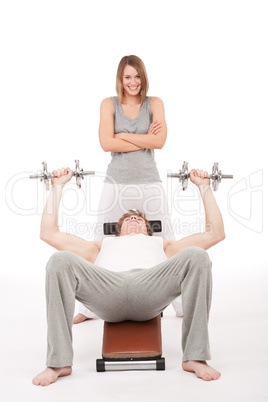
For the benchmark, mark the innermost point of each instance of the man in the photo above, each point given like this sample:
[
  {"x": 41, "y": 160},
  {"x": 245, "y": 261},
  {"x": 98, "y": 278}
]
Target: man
[{"x": 140, "y": 290}]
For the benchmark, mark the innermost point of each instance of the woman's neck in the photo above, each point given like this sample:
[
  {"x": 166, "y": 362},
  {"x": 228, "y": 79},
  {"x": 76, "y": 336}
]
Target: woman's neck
[{"x": 131, "y": 100}]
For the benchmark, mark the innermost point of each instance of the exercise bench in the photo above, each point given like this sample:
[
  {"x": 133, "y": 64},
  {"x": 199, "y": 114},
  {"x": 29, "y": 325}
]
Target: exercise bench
[{"x": 131, "y": 345}]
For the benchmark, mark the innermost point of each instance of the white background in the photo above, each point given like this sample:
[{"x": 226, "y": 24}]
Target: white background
[{"x": 208, "y": 62}]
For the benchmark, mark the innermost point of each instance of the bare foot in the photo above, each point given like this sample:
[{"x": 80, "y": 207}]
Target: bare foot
[
  {"x": 201, "y": 369},
  {"x": 50, "y": 375},
  {"x": 80, "y": 318}
]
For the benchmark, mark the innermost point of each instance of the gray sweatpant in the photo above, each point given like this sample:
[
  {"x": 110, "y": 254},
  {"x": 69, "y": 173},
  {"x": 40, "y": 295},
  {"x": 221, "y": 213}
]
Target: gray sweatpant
[{"x": 138, "y": 295}]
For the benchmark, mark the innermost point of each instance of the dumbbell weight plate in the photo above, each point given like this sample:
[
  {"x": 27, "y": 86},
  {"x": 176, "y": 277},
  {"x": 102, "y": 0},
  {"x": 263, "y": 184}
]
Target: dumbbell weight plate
[
  {"x": 184, "y": 175},
  {"x": 216, "y": 176},
  {"x": 78, "y": 181}
]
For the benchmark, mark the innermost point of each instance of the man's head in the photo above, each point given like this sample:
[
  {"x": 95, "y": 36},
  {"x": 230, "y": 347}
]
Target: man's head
[{"x": 133, "y": 222}]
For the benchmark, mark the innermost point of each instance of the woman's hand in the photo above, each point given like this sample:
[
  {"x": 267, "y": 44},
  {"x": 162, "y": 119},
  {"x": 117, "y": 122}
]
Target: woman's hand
[
  {"x": 119, "y": 136},
  {"x": 62, "y": 176},
  {"x": 198, "y": 177},
  {"x": 154, "y": 128}
]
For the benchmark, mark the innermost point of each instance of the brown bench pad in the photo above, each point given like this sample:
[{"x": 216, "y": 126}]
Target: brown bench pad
[{"x": 132, "y": 339}]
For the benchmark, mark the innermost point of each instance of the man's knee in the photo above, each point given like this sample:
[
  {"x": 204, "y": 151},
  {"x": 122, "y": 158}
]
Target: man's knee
[
  {"x": 58, "y": 260},
  {"x": 198, "y": 257}
]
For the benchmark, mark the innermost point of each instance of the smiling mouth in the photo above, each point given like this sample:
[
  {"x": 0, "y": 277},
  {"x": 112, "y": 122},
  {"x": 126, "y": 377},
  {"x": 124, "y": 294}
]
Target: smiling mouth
[{"x": 133, "y": 88}]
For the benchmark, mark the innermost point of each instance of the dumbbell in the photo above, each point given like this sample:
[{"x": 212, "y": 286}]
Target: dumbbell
[
  {"x": 45, "y": 176},
  {"x": 216, "y": 176}
]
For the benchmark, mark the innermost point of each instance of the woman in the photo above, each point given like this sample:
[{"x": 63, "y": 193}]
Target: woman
[
  {"x": 132, "y": 125},
  {"x": 132, "y": 179}
]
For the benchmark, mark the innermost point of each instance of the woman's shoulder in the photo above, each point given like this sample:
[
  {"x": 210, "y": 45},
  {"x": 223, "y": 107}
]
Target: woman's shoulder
[
  {"x": 155, "y": 100},
  {"x": 108, "y": 103}
]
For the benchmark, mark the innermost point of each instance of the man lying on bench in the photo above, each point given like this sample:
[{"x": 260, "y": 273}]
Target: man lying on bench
[{"x": 153, "y": 273}]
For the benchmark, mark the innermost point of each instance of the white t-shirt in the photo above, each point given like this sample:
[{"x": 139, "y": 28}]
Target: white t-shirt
[{"x": 129, "y": 252}]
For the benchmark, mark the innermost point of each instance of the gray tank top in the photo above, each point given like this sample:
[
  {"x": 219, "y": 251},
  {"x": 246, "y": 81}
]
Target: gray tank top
[{"x": 138, "y": 166}]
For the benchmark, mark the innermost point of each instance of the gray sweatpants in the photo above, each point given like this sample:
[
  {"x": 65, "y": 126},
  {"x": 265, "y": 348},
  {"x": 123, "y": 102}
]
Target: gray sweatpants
[{"x": 138, "y": 295}]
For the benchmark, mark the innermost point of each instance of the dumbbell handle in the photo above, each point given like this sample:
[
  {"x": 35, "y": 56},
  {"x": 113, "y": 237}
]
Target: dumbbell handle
[
  {"x": 175, "y": 175},
  {"x": 223, "y": 176},
  {"x": 209, "y": 176},
  {"x": 51, "y": 175},
  {"x": 81, "y": 174}
]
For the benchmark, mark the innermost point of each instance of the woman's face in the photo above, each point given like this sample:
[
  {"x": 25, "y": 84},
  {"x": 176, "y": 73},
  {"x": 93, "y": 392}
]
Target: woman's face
[{"x": 131, "y": 81}]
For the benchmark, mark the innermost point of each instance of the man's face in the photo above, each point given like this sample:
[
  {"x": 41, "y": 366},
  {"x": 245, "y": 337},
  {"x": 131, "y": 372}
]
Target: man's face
[{"x": 133, "y": 225}]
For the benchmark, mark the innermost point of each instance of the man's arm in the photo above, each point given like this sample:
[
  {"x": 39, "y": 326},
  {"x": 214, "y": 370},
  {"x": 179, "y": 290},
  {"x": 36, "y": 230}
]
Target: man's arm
[
  {"x": 214, "y": 232},
  {"x": 49, "y": 231}
]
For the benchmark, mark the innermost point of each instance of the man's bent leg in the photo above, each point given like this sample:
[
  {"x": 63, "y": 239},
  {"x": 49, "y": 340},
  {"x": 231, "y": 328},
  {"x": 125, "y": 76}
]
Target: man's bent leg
[
  {"x": 187, "y": 273},
  {"x": 70, "y": 277},
  {"x": 60, "y": 297},
  {"x": 196, "y": 291}
]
